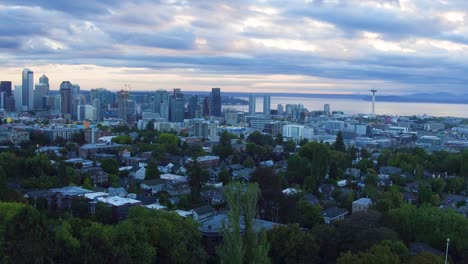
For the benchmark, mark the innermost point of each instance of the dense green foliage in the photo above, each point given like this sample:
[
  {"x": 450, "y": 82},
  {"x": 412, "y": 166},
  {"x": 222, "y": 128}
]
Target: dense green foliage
[{"x": 145, "y": 237}]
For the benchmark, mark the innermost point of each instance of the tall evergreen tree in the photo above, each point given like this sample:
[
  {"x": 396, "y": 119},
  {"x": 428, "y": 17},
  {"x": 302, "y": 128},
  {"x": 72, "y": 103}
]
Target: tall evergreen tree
[
  {"x": 242, "y": 247},
  {"x": 339, "y": 143}
]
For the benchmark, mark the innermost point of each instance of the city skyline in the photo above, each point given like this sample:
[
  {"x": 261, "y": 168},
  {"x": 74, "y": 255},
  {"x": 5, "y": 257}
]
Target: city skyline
[{"x": 256, "y": 46}]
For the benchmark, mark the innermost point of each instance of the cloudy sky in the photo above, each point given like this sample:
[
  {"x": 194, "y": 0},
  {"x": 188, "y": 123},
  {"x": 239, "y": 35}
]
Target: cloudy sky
[{"x": 305, "y": 46}]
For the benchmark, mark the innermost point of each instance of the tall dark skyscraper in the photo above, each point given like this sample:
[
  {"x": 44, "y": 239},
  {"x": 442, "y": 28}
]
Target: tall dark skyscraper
[
  {"x": 177, "y": 106},
  {"x": 5, "y": 87},
  {"x": 193, "y": 106},
  {"x": 66, "y": 99},
  {"x": 215, "y": 101},
  {"x": 7, "y": 100},
  {"x": 27, "y": 92},
  {"x": 206, "y": 106}
]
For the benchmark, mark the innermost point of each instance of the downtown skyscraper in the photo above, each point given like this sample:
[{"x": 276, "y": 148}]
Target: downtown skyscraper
[
  {"x": 177, "y": 106},
  {"x": 27, "y": 92},
  {"x": 215, "y": 101},
  {"x": 66, "y": 98},
  {"x": 160, "y": 104},
  {"x": 41, "y": 92},
  {"x": 7, "y": 100},
  {"x": 266, "y": 105},
  {"x": 252, "y": 105}
]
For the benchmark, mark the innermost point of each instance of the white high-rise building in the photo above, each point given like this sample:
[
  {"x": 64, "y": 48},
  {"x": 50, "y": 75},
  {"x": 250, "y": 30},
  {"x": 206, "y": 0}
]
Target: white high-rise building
[
  {"x": 326, "y": 109},
  {"x": 297, "y": 132},
  {"x": 27, "y": 94},
  {"x": 86, "y": 112}
]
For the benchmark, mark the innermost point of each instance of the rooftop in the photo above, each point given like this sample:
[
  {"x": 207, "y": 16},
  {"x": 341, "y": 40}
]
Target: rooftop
[
  {"x": 363, "y": 201},
  {"x": 117, "y": 200},
  {"x": 71, "y": 191},
  {"x": 333, "y": 212},
  {"x": 93, "y": 195}
]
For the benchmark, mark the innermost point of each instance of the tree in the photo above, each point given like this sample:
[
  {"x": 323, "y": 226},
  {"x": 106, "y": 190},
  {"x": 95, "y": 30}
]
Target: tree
[
  {"x": 242, "y": 247},
  {"x": 152, "y": 171},
  {"x": 425, "y": 258},
  {"x": 339, "y": 144},
  {"x": 290, "y": 146},
  {"x": 224, "y": 148},
  {"x": 110, "y": 166},
  {"x": 78, "y": 137},
  {"x": 424, "y": 194},
  {"x": 279, "y": 139},
  {"x": 309, "y": 215},
  {"x": 27, "y": 237},
  {"x": 65, "y": 246},
  {"x": 319, "y": 158},
  {"x": 378, "y": 254},
  {"x": 298, "y": 169},
  {"x": 197, "y": 178},
  {"x": 248, "y": 162},
  {"x": 224, "y": 176},
  {"x": 289, "y": 244},
  {"x": 429, "y": 224},
  {"x": 271, "y": 192},
  {"x": 150, "y": 125},
  {"x": 123, "y": 139}
]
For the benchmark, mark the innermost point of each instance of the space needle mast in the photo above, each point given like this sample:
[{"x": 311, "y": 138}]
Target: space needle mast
[{"x": 373, "y": 101}]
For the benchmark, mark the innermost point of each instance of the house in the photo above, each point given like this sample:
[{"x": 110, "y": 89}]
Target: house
[
  {"x": 153, "y": 186},
  {"x": 352, "y": 172},
  {"x": 119, "y": 205},
  {"x": 213, "y": 196},
  {"x": 453, "y": 201},
  {"x": 178, "y": 188},
  {"x": 312, "y": 199},
  {"x": 410, "y": 197},
  {"x": 202, "y": 212},
  {"x": 117, "y": 191},
  {"x": 390, "y": 170},
  {"x": 184, "y": 214},
  {"x": 140, "y": 174},
  {"x": 333, "y": 214},
  {"x": 412, "y": 187},
  {"x": 242, "y": 174},
  {"x": 156, "y": 206},
  {"x": 361, "y": 205},
  {"x": 61, "y": 198},
  {"x": 210, "y": 228},
  {"x": 267, "y": 163},
  {"x": 326, "y": 190},
  {"x": 463, "y": 210},
  {"x": 99, "y": 177},
  {"x": 418, "y": 248},
  {"x": 87, "y": 150},
  {"x": 291, "y": 191},
  {"x": 342, "y": 183}
]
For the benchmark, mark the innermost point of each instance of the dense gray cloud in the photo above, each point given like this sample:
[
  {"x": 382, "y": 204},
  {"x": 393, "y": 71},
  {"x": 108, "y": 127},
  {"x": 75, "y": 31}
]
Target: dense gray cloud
[{"x": 406, "y": 44}]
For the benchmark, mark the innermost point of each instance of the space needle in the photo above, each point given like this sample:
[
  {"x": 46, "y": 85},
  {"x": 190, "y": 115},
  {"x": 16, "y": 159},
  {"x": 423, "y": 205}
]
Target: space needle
[{"x": 373, "y": 101}]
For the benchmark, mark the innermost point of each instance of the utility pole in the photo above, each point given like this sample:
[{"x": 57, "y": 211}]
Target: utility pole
[{"x": 446, "y": 250}]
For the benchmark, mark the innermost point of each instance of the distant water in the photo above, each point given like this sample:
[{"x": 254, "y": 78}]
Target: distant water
[{"x": 351, "y": 106}]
